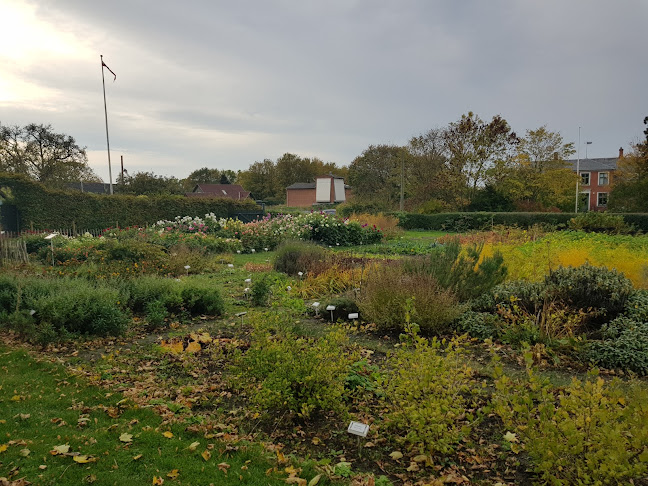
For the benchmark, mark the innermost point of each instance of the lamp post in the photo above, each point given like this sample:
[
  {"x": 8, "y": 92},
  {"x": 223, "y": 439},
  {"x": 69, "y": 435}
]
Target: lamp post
[{"x": 577, "y": 169}]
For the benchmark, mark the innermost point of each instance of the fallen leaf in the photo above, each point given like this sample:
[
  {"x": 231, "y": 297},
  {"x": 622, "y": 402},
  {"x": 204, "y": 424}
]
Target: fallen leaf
[
  {"x": 223, "y": 466},
  {"x": 296, "y": 480},
  {"x": 24, "y": 416},
  {"x": 3, "y": 447},
  {"x": 315, "y": 480},
  {"x": 168, "y": 434},
  {"x": 157, "y": 480},
  {"x": 42, "y": 467},
  {"x": 281, "y": 459},
  {"x": 396, "y": 455},
  {"x": 25, "y": 452},
  {"x": 193, "y": 347},
  {"x": 60, "y": 449},
  {"x": 420, "y": 458},
  {"x": 193, "y": 446},
  {"x": 126, "y": 437},
  {"x": 206, "y": 455},
  {"x": 173, "y": 474},
  {"x": 137, "y": 457},
  {"x": 413, "y": 467},
  {"x": 511, "y": 437},
  {"x": 83, "y": 459}
]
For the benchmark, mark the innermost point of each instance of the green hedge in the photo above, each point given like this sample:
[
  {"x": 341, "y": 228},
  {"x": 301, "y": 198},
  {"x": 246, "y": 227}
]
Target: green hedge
[
  {"x": 479, "y": 221},
  {"x": 42, "y": 208}
]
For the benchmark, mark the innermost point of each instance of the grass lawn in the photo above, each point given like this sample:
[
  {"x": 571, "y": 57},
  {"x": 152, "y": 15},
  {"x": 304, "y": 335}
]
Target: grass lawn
[{"x": 57, "y": 429}]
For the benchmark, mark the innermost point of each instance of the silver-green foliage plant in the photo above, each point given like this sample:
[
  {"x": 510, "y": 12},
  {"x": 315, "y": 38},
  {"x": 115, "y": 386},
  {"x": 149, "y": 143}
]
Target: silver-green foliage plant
[{"x": 592, "y": 432}]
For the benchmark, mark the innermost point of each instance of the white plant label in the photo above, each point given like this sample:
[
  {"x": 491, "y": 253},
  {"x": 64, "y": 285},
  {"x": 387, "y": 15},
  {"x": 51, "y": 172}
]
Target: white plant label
[{"x": 358, "y": 428}]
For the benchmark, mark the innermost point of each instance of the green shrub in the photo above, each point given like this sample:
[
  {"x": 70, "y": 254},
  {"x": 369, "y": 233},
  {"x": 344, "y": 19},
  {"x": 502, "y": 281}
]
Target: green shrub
[
  {"x": 481, "y": 325},
  {"x": 200, "y": 296},
  {"x": 431, "y": 394},
  {"x": 384, "y": 296},
  {"x": 600, "y": 222},
  {"x": 81, "y": 308},
  {"x": 480, "y": 221},
  {"x": 598, "y": 290},
  {"x": 624, "y": 346},
  {"x": 300, "y": 256},
  {"x": 461, "y": 272},
  {"x": 156, "y": 312},
  {"x": 8, "y": 293},
  {"x": 636, "y": 307},
  {"x": 282, "y": 372},
  {"x": 592, "y": 432},
  {"x": 139, "y": 292},
  {"x": 344, "y": 305},
  {"x": 260, "y": 290}
]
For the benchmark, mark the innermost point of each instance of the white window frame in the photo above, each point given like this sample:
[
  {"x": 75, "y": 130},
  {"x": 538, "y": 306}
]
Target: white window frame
[
  {"x": 589, "y": 178},
  {"x": 607, "y": 175},
  {"x": 598, "y": 199}
]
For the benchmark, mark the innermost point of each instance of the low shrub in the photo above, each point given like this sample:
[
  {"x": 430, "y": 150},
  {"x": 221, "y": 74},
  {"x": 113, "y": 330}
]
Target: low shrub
[
  {"x": 344, "y": 305},
  {"x": 284, "y": 373},
  {"x": 79, "y": 307},
  {"x": 600, "y": 222},
  {"x": 260, "y": 290},
  {"x": 201, "y": 296},
  {"x": 139, "y": 292},
  {"x": 431, "y": 394},
  {"x": 624, "y": 346},
  {"x": 296, "y": 256},
  {"x": 601, "y": 292},
  {"x": 385, "y": 294},
  {"x": 467, "y": 272},
  {"x": 591, "y": 432},
  {"x": 156, "y": 313},
  {"x": 481, "y": 325}
]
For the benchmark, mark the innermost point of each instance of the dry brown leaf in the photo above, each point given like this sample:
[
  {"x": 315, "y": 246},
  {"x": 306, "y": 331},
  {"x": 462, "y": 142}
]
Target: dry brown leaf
[
  {"x": 168, "y": 434},
  {"x": 206, "y": 455},
  {"x": 193, "y": 347},
  {"x": 193, "y": 446},
  {"x": 223, "y": 466},
  {"x": 173, "y": 474},
  {"x": 158, "y": 481}
]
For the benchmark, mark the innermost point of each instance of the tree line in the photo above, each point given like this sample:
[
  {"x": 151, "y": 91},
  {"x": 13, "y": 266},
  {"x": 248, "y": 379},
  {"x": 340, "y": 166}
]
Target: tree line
[{"x": 470, "y": 164}]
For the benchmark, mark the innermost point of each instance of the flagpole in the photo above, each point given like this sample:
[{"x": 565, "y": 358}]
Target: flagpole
[{"x": 103, "y": 82}]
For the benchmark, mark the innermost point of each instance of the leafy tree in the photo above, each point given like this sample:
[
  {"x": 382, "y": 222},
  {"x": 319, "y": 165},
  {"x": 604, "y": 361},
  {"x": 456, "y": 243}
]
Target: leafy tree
[
  {"x": 630, "y": 183},
  {"x": 259, "y": 179},
  {"x": 147, "y": 183},
  {"x": 43, "y": 155},
  {"x": 268, "y": 180},
  {"x": 204, "y": 175},
  {"x": 538, "y": 178},
  {"x": 376, "y": 174},
  {"x": 474, "y": 147}
]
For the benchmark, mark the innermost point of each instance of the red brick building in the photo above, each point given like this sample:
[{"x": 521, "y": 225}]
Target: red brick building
[
  {"x": 595, "y": 178},
  {"x": 327, "y": 189}
]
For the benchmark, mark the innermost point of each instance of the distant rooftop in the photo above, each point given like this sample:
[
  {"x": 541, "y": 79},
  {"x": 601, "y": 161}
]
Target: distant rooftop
[{"x": 609, "y": 163}]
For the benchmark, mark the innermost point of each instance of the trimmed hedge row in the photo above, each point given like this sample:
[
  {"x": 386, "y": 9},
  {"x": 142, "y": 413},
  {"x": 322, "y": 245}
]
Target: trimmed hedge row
[
  {"x": 46, "y": 209},
  {"x": 480, "y": 221}
]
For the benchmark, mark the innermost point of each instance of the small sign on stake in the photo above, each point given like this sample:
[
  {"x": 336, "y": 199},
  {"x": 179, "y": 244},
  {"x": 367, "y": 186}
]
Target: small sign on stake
[{"x": 358, "y": 428}]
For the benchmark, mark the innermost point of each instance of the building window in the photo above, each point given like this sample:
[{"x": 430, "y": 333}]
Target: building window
[
  {"x": 602, "y": 199},
  {"x": 585, "y": 178},
  {"x": 604, "y": 179}
]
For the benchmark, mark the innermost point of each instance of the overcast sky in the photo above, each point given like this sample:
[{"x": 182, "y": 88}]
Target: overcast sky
[{"x": 223, "y": 84}]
